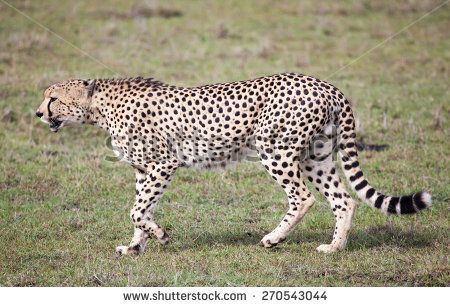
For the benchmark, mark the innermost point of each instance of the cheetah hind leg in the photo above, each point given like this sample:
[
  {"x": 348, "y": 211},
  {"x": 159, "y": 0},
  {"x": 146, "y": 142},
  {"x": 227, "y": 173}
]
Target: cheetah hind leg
[
  {"x": 323, "y": 175},
  {"x": 300, "y": 199}
]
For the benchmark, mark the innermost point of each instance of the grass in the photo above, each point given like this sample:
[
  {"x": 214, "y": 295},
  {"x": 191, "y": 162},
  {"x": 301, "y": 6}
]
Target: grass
[{"x": 64, "y": 207}]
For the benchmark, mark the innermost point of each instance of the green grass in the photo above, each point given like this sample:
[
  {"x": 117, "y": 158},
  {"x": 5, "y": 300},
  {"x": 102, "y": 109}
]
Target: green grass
[{"x": 64, "y": 207}]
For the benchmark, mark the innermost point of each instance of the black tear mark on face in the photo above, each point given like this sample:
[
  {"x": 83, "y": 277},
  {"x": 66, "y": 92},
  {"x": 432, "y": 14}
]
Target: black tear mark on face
[{"x": 48, "y": 106}]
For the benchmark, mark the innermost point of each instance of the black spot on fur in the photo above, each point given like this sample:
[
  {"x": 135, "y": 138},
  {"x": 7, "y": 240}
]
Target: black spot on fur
[
  {"x": 406, "y": 205},
  {"x": 370, "y": 193},
  {"x": 392, "y": 204},
  {"x": 379, "y": 201},
  {"x": 361, "y": 185},
  {"x": 356, "y": 176}
]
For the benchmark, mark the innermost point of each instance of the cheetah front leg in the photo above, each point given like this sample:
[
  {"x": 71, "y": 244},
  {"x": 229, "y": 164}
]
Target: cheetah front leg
[{"x": 150, "y": 186}]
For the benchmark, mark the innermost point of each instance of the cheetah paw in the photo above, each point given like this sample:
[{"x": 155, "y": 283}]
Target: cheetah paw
[
  {"x": 128, "y": 250},
  {"x": 327, "y": 248},
  {"x": 122, "y": 250},
  {"x": 271, "y": 240},
  {"x": 164, "y": 240}
]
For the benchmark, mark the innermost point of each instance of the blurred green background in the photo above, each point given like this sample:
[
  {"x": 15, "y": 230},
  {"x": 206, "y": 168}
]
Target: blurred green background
[{"x": 64, "y": 207}]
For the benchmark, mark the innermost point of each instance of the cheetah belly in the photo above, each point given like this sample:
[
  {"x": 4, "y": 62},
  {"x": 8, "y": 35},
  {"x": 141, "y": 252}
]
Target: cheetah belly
[{"x": 209, "y": 153}]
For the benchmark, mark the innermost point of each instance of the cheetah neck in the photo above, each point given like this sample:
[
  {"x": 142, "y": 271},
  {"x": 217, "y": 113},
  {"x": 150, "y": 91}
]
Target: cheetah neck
[
  {"x": 100, "y": 108},
  {"x": 110, "y": 95}
]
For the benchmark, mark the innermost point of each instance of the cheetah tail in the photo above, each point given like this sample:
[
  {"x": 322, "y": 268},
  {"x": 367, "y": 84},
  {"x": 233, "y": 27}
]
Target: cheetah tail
[{"x": 408, "y": 204}]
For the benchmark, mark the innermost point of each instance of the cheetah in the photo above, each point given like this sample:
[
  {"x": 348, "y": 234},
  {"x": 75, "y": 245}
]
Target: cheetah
[{"x": 295, "y": 124}]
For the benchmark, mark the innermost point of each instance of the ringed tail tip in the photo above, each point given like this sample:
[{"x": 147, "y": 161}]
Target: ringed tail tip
[
  {"x": 426, "y": 199},
  {"x": 411, "y": 204}
]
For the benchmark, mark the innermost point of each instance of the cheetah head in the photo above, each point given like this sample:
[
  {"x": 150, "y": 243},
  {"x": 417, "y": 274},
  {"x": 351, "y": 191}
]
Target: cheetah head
[{"x": 66, "y": 103}]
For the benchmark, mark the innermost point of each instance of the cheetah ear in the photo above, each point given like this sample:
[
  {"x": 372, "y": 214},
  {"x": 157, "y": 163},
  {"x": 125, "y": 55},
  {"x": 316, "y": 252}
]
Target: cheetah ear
[{"x": 90, "y": 86}]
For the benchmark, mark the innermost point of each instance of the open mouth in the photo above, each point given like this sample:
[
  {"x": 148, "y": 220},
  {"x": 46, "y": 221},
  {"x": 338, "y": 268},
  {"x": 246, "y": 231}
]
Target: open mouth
[{"x": 55, "y": 125}]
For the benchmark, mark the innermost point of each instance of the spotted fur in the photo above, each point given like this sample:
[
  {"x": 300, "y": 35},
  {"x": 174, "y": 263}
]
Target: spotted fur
[{"x": 293, "y": 123}]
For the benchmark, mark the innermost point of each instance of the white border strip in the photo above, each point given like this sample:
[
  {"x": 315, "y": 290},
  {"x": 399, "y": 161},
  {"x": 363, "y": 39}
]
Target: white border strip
[{"x": 111, "y": 297}]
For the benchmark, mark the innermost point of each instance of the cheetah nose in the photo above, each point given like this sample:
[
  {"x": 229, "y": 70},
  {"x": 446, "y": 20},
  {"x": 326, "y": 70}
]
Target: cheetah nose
[{"x": 39, "y": 114}]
